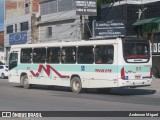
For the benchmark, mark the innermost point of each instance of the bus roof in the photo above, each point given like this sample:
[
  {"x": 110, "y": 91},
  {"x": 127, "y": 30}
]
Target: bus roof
[{"x": 76, "y": 43}]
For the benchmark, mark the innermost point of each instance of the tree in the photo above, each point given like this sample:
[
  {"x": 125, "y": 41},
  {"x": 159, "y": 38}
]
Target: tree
[{"x": 99, "y": 2}]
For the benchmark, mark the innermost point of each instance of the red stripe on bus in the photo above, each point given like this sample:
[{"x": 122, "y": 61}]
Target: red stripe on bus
[{"x": 47, "y": 70}]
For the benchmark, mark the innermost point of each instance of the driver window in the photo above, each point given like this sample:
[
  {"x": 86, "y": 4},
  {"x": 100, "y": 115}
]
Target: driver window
[{"x": 13, "y": 60}]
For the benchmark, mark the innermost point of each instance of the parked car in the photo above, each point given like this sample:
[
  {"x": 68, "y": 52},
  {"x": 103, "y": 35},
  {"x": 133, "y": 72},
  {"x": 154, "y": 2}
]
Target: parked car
[{"x": 3, "y": 71}]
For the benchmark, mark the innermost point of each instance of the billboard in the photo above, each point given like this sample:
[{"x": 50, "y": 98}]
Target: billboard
[
  {"x": 18, "y": 38},
  {"x": 86, "y": 7},
  {"x": 109, "y": 29}
]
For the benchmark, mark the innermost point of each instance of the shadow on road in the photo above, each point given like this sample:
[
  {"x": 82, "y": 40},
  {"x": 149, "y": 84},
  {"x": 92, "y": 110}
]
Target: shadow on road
[
  {"x": 131, "y": 91},
  {"x": 114, "y": 91}
]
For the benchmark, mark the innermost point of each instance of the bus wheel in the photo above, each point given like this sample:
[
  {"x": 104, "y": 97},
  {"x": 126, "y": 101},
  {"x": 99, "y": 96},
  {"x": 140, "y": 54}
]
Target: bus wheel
[
  {"x": 2, "y": 76},
  {"x": 76, "y": 85},
  {"x": 25, "y": 82}
]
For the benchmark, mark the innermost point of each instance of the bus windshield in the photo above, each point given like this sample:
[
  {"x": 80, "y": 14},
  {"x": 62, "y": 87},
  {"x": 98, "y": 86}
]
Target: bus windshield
[{"x": 136, "y": 52}]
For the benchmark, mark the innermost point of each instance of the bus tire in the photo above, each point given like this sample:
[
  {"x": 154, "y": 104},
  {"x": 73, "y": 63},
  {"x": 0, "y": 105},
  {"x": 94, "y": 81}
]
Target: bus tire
[
  {"x": 2, "y": 76},
  {"x": 25, "y": 82},
  {"x": 155, "y": 72},
  {"x": 76, "y": 85}
]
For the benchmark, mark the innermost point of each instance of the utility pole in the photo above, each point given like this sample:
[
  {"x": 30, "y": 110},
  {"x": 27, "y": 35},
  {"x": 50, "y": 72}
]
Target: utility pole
[{"x": 81, "y": 27}]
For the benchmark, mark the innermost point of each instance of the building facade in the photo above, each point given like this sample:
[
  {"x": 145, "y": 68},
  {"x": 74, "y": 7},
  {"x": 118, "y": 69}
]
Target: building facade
[
  {"x": 2, "y": 46},
  {"x": 58, "y": 21},
  {"x": 41, "y": 21},
  {"x": 142, "y": 18},
  {"x": 130, "y": 11},
  {"x": 20, "y": 23},
  {"x": 2, "y": 31}
]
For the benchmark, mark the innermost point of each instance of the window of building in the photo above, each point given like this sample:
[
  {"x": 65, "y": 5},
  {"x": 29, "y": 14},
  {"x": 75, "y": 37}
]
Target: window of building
[
  {"x": 85, "y": 54},
  {"x": 54, "y": 6},
  {"x": 53, "y": 55},
  {"x": 39, "y": 55},
  {"x": 26, "y": 8},
  {"x": 49, "y": 31},
  {"x": 26, "y": 55},
  {"x": 68, "y": 55},
  {"x": 9, "y": 29},
  {"x": 104, "y": 54},
  {"x": 24, "y": 26}
]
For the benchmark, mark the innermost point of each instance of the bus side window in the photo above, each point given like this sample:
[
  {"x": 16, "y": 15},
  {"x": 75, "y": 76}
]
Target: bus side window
[
  {"x": 53, "y": 55},
  {"x": 110, "y": 54},
  {"x": 85, "y": 54},
  {"x": 39, "y": 55},
  {"x": 68, "y": 55},
  {"x": 26, "y": 55},
  {"x": 104, "y": 54}
]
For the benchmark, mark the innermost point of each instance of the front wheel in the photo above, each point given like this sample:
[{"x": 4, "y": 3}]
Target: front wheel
[
  {"x": 25, "y": 82},
  {"x": 76, "y": 85}
]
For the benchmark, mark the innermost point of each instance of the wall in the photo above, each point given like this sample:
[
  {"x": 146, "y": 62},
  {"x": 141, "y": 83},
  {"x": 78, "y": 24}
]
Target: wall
[
  {"x": 1, "y": 46},
  {"x": 16, "y": 8},
  {"x": 18, "y": 21},
  {"x": 1, "y": 38},
  {"x": 19, "y": 8},
  {"x": 17, "y": 12},
  {"x": 65, "y": 27},
  {"x": 1, "y": 15},
  {"x": 61, "y": 16}
]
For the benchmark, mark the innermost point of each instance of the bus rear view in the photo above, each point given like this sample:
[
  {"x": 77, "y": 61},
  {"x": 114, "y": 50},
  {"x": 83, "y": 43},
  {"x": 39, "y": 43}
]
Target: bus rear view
[{"x": 136, "y": 64}]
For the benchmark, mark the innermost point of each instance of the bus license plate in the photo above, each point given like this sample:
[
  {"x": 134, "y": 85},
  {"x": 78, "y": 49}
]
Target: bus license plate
[{"x": 138, "y": 76}]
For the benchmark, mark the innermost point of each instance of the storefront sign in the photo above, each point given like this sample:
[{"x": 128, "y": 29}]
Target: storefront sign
[
  {"x": 108, "y": 29},
  {"x": 86, "y": 7}
]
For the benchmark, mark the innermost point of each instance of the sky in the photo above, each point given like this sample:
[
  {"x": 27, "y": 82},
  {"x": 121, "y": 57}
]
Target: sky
[{"x": 1, "y": 14}]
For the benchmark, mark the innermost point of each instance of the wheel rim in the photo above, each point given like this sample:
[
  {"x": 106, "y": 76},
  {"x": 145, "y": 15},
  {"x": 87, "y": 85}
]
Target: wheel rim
[
  {"x": 25, "y": 81},
  {"x": 2, "y": 75},
  {"x": 76, "y": 85}
]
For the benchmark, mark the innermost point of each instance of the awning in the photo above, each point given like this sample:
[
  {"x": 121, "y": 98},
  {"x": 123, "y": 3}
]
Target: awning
[{"x": 147, "y": 21}]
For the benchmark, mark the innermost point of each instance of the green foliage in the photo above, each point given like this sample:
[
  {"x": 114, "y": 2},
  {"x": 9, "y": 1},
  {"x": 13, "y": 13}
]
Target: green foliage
[{"x": 99, "y": 2}]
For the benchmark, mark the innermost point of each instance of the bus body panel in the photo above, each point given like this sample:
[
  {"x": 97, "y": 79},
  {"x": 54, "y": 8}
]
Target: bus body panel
[{"x": 91, "y": 75}]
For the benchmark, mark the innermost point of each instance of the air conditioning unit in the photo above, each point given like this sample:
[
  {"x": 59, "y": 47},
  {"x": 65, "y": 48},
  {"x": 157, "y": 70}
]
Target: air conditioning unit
[{"x": 38, "y": 16}]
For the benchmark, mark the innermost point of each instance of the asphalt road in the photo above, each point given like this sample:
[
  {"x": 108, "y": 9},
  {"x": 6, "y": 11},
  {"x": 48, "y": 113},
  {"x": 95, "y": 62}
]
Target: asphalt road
[{"x": 40, "y": 98}]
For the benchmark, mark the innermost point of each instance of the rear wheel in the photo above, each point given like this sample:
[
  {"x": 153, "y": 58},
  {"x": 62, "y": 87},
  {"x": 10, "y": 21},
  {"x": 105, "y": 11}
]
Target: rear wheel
[
  {"x": 2, "y": 76},
  {"x": 25, "y": 82},
  {"x": 76, "y": 85}
]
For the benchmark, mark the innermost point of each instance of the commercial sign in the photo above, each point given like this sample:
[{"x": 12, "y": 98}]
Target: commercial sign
[
  {"x": 18, "y": 38},
  {"x": 86, "y": 7},
  {"x": 108, "y": 29}
]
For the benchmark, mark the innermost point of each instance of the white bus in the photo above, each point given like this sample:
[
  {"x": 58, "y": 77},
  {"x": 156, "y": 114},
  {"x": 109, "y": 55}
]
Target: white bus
[{"x": 102, "y": 64}]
